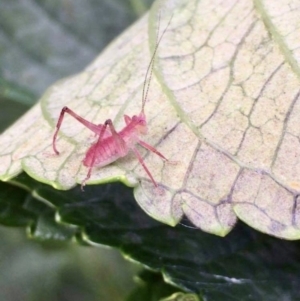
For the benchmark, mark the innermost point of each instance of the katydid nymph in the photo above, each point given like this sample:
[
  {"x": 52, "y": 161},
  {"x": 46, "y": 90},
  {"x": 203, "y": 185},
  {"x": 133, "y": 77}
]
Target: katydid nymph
[{"x": 110, "y": 144}]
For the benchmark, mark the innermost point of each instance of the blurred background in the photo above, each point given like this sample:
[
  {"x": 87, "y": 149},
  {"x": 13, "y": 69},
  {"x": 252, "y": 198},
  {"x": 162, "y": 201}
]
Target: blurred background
[
  {"x": 42, "y": 41},
  {"x": 36, "y": 271}
]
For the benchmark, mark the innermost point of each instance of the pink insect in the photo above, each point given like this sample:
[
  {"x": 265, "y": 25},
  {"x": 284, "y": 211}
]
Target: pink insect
[{"x": 112, "y": 145}]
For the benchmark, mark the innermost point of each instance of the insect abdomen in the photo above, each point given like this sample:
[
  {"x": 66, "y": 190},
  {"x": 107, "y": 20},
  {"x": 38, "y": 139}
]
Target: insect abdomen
[{"x": 106, "y": 153}]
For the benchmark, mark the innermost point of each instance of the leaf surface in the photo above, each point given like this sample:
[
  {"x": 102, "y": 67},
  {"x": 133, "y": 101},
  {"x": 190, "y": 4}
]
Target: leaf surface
[{"x": 223, "y": 104}]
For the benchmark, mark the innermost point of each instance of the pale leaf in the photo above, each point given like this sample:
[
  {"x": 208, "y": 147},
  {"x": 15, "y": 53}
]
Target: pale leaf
[{"x": 223, "y": 105}]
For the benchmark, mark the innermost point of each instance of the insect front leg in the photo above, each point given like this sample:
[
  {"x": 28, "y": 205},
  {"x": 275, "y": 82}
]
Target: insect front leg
[
  {"x": 138, "y": 155},
  {"x": 93, "y": 127},
  {"x": 155, "y": 151},
  {"x": 152, "y": 149}
]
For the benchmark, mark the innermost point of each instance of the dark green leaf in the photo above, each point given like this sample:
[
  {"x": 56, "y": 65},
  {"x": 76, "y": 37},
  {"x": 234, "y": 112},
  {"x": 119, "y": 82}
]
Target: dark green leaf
[
  {"x": 245, "y": 265},
  {"x": 151, "y": 286},
  {"x": 12, "y": 212}
]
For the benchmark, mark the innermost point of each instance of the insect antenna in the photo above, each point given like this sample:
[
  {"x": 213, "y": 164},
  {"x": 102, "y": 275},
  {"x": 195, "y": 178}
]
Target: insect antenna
[{"x": 151, "y": 64}]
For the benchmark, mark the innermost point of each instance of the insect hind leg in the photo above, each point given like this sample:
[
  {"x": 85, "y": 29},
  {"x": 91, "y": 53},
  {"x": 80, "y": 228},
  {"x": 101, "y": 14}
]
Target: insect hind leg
[
  {"x": 93, "y": 127},
  {"x": 101, "y": 134}
]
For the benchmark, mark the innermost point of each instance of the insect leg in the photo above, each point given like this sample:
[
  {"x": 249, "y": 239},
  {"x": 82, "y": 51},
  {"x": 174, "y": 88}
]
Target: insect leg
[
  {"x": 138, "y": 155},
  {"x": 152, "y": 149},
  {"x": 93, "y": 127},
  {"x": 120, "y": 143},
  {"x": 103, "y": 129}
]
